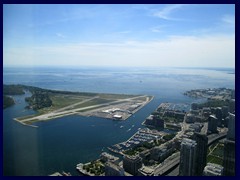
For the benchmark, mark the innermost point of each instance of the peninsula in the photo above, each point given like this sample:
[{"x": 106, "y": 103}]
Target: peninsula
[{"x": 51, "y": 104}]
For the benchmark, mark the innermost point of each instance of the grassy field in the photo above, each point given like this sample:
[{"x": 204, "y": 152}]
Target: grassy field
[
  {"x": 215, "y": 153},
  {"x": 116, "y": 96},
  {"x": 143, "y": 98},
  {"x": 94, "y": 102},
  {"x": 60, "y": 101},
  {"x": 89, "y": 109},
  {"x": 214, "y": 159}
]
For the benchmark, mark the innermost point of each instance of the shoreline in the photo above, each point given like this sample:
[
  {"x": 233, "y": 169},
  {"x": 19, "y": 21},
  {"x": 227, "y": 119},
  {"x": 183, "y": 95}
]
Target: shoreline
[
  {"x": 94, "y": 109},
  {"x": 34, "y": 126}
]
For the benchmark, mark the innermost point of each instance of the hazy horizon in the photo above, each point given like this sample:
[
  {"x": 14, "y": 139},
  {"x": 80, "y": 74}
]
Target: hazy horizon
[{"x": 111, "y": 66}]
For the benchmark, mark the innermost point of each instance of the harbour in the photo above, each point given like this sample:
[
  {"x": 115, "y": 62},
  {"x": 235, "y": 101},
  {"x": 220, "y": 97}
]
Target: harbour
[{"x": 84, "y": 137}]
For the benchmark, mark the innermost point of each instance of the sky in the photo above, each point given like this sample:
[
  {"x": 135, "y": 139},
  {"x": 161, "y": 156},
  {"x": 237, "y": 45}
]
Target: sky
[{"x": 148, "y": 35}]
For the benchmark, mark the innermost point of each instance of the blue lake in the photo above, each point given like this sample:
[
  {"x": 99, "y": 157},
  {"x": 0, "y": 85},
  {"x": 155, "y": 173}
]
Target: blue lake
[{"x": 62, "y": 143}]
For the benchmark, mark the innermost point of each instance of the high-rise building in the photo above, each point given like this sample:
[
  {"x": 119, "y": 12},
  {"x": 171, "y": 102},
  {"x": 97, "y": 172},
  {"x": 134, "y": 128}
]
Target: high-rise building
[
  {"x": 131, "y": 164},
  {"x": 206, "y": 111},
  {"x": 213, "y": 170},
  {"x": 155, "y": 120},
  {"x": 201, "y": 152},
  {"x": 112, "y": 169},
  {"x": 233, "y": 94},
  {"x": 231, "y": 127},
  {"x": 212, "y": 124},
  {"x": 159, "y": 122},
  {"x": 232, "y": 106},
  {"x": 229, "y": 158},
  {"x": 225, "y": 110},
  {"x": 187, "y": 157},
  {"x": 218, "y": 113}
]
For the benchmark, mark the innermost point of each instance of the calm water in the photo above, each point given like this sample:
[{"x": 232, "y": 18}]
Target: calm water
[{"x": 60, "y": 144}]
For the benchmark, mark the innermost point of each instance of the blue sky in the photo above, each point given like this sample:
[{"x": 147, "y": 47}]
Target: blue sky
[{"x": 119, "y": 35}]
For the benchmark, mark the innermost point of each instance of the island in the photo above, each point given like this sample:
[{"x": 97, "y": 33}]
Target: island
[
  {"x": 51, "y": 104},
  {"x": 9, "y": 90},
  {"x": 7, "y": 101}
]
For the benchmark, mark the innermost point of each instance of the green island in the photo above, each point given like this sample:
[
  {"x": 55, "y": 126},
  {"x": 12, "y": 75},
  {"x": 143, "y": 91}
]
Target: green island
[
  {"x": 51, "y": 104},
  {"x": 9, "y": 90},
  {"x": 7, "y": 101}
]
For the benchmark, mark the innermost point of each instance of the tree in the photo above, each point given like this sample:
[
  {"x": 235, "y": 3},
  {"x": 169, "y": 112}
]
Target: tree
[
  {"x": 12, "y": 90},
  {"x": 39, "y": 100},
  {"x": 7, "y": 101}
]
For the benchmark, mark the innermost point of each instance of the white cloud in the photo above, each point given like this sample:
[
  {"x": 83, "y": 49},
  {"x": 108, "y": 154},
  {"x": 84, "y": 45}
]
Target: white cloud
[
  {"x": 124, "y": 32},
  {"x": 165, "y": 13},
  {"x": 225, "y": 24},
  {"x": 182, "y": 51},
  {"x": 60, "y": 35},
  {"x": 157, "y": 29},
  {"x": 230, "y": 19}
]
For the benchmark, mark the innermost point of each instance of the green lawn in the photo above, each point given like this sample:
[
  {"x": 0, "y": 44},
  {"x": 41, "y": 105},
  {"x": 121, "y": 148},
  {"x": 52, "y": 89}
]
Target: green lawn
[
  {"x": 60, "y": 101},
  {"x": 216, "y": 156},
  {"x": 93, "y": 102},
  {"x": 116, "y": 96},
  {"x": 214, "y": 159}
]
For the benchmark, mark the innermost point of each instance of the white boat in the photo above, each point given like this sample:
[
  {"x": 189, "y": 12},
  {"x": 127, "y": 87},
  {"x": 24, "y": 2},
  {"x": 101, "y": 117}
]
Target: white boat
[{"x": 121, "y": 126}]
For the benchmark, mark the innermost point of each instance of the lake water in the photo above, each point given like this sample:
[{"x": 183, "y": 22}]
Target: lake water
[{"x": 62, "y": 143}]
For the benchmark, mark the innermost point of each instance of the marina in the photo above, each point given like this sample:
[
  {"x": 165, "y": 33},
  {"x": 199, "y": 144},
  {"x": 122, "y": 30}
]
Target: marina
[{"x": 141, "y": 136}]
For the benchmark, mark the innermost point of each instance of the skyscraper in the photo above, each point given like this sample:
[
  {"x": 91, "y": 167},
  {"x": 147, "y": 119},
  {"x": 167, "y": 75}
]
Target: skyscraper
[
  {"x": 218, "y": 113},
  {"x": 229, "y": 158},
  {"x": 131, "y": 164},
  {"x": 212, "y": 124},
  {"x": 225, "y": 110},
  {"x": 201, "y": 152},
  {"x": 232, "y": 106},
  {"x": 187, "y": 157},
  {"x": 231, "y": 127}
]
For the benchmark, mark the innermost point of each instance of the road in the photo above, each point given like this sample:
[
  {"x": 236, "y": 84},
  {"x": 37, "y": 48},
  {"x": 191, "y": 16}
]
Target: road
[
  {"x": 211, "y": 138},
  {"x": 167, "y": 166},
  {"x": 214, "y": 137}
]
